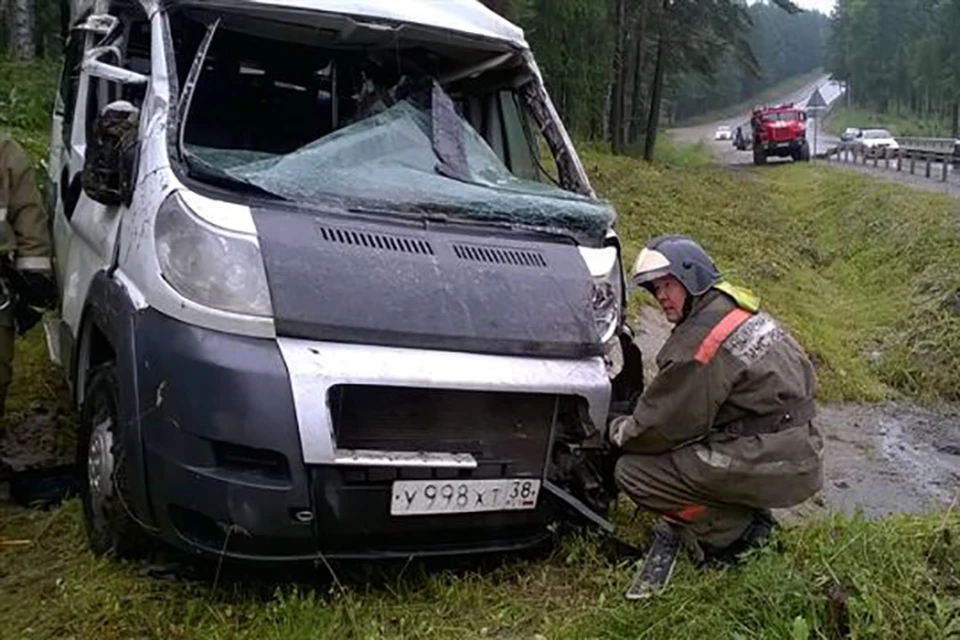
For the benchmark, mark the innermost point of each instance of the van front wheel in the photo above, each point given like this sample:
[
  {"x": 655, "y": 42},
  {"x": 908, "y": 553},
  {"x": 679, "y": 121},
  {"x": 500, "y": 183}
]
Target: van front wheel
[{"x": 101, "y": 464}]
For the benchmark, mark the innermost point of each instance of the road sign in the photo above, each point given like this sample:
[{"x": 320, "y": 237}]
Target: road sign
[
  {"x": 816, "y": 100},
  {"x": 816, "y": 105}
]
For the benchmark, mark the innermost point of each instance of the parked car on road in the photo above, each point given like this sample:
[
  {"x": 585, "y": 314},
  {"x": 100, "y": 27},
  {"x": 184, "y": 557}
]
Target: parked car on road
[
  {"x": 850, "y": 134},
  {"x": 723, "y": 133},
  {"x": 876, "y": 142}
]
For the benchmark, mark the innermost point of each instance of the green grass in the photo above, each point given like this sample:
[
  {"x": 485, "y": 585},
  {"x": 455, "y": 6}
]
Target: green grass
[
  {"x": 899, "y": 578},
  {"x": 786, "y": 87},
  {"x": 27, "y": 92},
  {"x": 667, "y": 152},
  {"x": 851, "y": 264},
  {"x": 899, "y": 124}
]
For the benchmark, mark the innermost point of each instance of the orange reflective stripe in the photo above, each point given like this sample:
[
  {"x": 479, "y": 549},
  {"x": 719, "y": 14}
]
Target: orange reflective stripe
[
  {"x": 692, "y": 512},
  {"x": 711, "y": 344},
  {"x": 686, "y": 515}
]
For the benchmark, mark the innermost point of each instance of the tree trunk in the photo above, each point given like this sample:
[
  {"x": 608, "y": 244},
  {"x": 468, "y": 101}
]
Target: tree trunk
[
  {"x": 618, "y": 91},
  {"x": 955, "y": 126},
  {"x": 636, "y": 101},
  {"x": 22, "y": 31},
  {"x": 656, "y": 95},
  {"x": 624, "y": 80}
]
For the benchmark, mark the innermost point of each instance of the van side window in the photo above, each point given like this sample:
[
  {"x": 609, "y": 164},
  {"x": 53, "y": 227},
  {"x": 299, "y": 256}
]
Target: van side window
[
  {"x": 70, "y": 80},
  {"x": 499, "y": 118},
  {"x": 134, "y": 45},
  {"x": 518, "y": 140}
]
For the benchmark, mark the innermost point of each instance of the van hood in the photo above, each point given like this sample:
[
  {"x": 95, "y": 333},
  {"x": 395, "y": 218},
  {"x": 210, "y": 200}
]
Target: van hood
[{"x": 406, "y": 285}]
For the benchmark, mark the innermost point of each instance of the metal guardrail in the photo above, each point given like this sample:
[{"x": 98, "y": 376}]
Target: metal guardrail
[
  {"x": 944, "y": 145},
  {"x": 931, "y": 164}
]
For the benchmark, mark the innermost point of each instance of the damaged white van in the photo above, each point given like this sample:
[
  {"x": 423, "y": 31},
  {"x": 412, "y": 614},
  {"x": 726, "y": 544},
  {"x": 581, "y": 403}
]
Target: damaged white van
[{"x": 333, "y": 281}]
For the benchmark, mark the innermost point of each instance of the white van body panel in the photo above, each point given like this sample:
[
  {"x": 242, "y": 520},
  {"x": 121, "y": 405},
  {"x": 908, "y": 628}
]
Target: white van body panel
[
  {"x": 467, "y": 17},
  {"x": 137, "y": 258}
]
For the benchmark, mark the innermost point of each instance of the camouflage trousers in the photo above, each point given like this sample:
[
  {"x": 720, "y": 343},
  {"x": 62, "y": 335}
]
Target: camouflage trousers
[{"x": 658, "y": 483}]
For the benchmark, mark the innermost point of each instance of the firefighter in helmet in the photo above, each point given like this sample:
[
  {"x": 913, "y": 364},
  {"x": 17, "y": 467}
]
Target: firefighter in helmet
[
  {"x": 724, "y": 431},
  {"x": 26, "y": 272}
]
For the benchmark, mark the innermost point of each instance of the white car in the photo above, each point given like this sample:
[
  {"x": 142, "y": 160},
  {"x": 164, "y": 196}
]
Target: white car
[
  {"x": 877, "y": 142},
  {"x": 723, "y": 133}
]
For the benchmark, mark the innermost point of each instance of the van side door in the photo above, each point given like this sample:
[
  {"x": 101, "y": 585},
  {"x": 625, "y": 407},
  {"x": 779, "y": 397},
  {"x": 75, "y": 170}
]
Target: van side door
[{"x": 86, "y": 230}]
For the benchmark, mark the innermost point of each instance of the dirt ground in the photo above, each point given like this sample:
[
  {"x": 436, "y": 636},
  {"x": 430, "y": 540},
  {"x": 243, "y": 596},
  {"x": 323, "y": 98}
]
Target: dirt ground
[
  {"x": 32, "y": 443},
  {"x": 878, "y": 458}
]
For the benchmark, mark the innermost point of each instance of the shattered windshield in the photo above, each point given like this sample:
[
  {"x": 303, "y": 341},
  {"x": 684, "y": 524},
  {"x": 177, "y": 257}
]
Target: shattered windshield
[{"x": 342, "y": 132}]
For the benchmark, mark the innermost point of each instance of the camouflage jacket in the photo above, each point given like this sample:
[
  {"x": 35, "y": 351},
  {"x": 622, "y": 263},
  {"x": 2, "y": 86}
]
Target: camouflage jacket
[
  {"x": 24, "y": 235},
  {"x": 721, "y": 366}
]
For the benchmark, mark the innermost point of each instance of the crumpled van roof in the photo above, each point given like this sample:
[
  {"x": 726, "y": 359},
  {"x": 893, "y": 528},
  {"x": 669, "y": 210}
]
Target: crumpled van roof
[{"x": 468, "y": 17}]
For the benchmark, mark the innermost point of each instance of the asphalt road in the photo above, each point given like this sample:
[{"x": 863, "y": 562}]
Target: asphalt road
[
  {"x": 724, "y": 149},
  {"x": 728, "y": 155}
]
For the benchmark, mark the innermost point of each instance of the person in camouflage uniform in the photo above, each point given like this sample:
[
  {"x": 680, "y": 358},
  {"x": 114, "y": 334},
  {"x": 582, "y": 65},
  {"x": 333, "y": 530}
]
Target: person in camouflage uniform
[
  {"x": 724, "y": 431},
  {"x": 25, "y": 252}
]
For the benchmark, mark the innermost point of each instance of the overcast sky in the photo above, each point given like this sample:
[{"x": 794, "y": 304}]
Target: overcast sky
[{"x": 824, "y": 6}]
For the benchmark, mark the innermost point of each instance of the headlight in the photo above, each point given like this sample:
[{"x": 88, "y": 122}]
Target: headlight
[
  {"x": 606, "y": 306},
  {"x": 604, "y": 267},
  {"x": 213, "y": 267}
]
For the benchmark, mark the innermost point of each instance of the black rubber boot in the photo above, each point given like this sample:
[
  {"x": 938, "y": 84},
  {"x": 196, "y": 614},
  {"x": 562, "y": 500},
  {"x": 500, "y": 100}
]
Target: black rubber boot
[
  {"x": 755, "y": 536},
  {"x": 658, "y": 566}
]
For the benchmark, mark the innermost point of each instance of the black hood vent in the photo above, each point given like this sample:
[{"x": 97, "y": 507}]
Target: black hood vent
[
  {"x": 500, "y": 255},
  {"x": 376, "y": 241}
]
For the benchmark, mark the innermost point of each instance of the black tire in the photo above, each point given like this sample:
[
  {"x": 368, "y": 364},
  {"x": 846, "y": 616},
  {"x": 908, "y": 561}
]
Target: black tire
[
  {"x": 759, "y": 157},
  {"x": 111, "y": 530},
  {"x": 804, "y": 154}
]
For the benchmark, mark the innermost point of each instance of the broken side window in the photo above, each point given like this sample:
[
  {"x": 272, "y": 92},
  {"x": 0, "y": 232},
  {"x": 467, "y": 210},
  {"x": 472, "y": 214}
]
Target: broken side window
[{"x": 132, "y": 41}]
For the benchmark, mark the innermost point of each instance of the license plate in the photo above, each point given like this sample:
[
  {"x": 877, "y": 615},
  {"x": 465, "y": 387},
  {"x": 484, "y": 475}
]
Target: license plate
[{"x": 420, "y": 497}]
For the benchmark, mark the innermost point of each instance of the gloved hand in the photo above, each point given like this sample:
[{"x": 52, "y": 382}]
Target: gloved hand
[
  {"x": 33, "y": 291},
  {"x": 618, "y": 428},
  {"x": 39, "y": 289}
]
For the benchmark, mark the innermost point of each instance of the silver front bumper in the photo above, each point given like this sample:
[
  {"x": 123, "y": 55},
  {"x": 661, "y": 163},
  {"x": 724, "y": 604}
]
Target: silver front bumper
[{"x": 315, "y": 367}]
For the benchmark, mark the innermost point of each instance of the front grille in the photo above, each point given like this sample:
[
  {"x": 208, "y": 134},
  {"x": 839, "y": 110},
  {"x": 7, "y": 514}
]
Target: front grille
[{"x": 507, "y": 433}]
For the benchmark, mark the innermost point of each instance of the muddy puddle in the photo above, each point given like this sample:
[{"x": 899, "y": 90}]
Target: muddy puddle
[
  {"x": 878, "y": 458},
  {"x": 32, "y": 441}
]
